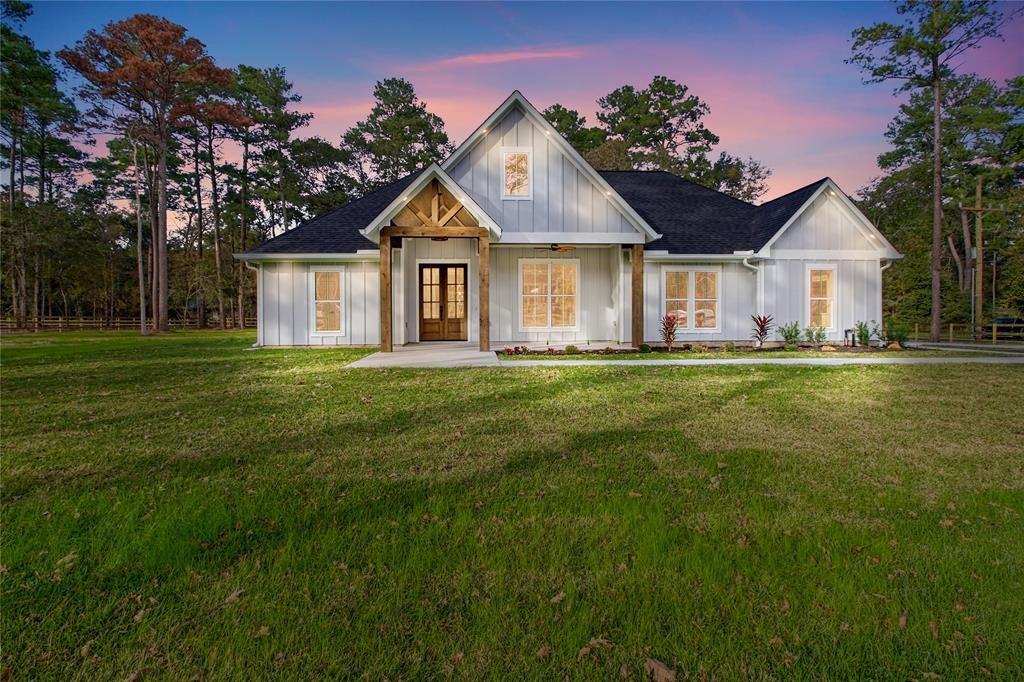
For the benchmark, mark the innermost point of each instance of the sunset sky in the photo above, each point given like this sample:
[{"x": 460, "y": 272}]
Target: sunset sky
[{"x": 772, "y": 73}]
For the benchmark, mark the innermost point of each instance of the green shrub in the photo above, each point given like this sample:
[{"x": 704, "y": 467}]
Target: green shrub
[
  {"x": 644, "y": 348},
  {"x": 894, "y": 332},
  {"x": 572, "y": 350},
  {"x": 814, "y": 335},
  {"x": 863, "y": 334},
  {"x": 729, "y": 347},
  {"x": 790, "y": 333}
]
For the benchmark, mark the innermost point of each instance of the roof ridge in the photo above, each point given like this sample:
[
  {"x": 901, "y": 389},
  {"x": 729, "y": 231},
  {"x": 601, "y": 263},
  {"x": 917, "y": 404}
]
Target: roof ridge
[
  {"x": 686, "y": 180},
  {"x": 798, "y": 189}
]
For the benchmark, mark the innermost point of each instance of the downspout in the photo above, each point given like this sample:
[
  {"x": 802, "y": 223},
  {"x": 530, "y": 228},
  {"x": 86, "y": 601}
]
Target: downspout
[
  {"x": 882, "y": 269},
  {"x": 759, "y": 274},
  {"x": 259, "y": 313}
]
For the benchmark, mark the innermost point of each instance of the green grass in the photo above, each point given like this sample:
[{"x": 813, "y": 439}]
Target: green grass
[{"x": 180, "y": 507}]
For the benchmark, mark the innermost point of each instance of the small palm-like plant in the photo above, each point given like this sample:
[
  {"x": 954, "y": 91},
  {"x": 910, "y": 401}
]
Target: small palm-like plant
[
  {"x": 669, "y": 329},
  {"x": 763, "y": 325}
]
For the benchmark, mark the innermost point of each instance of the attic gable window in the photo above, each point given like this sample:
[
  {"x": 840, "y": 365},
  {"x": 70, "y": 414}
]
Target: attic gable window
[{"x": 517, "y": 171}]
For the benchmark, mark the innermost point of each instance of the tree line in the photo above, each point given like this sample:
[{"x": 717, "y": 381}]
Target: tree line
[{"x": 200, "y": 161}]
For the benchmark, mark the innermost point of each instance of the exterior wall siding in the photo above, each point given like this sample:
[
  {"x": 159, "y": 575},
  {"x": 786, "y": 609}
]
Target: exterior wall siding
[
  {"x": 563, "y": 199},
  {"x": 604, "y": 297},
  {"x": 595, "y": 304},
  {"x": 826, "y": 225},
  {"x": 284, "y": 305},
  {"x": 737, "y": 301},
  {"x": 858, "y": 292}
]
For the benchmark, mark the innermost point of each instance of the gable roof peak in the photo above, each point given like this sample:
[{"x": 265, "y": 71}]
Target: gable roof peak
[{"x": 537, "y": 118}]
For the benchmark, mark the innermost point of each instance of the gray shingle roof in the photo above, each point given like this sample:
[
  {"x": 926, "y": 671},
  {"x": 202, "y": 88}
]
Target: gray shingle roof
[
  {"x": 691, "y": 218},
  {"x": 772, "y": 215},
  {"x": 337, "y": 231}
]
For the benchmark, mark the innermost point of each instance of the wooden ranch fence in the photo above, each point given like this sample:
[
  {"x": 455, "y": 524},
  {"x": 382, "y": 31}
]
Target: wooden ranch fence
[
  {"x": 67, "y": 324},
  {"x": 992, "y": 333}
]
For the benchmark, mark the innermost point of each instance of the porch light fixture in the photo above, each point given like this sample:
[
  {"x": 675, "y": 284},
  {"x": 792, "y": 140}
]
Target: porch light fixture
[{"x": 439, "y": 239}]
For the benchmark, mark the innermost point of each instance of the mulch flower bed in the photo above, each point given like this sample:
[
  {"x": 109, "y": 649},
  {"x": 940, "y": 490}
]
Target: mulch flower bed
[{"x": 685, "y": 348}]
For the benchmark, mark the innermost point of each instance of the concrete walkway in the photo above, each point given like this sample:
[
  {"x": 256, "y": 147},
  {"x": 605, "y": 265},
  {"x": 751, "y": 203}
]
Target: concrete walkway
[
  {"x": 811, "y": 362},
  {"x": 432, "y": 354}
]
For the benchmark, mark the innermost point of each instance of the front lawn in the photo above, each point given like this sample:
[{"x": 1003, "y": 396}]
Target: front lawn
[{"x": 182, "y": 507}]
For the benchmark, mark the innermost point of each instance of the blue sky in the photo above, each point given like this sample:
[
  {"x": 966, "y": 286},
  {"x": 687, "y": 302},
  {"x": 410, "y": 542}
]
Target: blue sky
[{"x": 773, "y": 73}]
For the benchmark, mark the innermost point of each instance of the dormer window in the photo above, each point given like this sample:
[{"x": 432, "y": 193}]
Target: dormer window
[{"x": 517, "y": 165}]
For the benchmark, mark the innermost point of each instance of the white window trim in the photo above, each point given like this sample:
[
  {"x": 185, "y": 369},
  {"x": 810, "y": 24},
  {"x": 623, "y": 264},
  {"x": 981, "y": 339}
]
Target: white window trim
[
  {"x": 312, "y": 299},
  {"x": 519, "y": 296},
  {"x": 691, "y": 318},
  {"x": 529, "y": 173},
  {"x": 835, "y": 293}
]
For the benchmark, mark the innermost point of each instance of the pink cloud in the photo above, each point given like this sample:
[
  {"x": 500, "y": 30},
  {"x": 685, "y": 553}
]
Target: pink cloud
[{"x": 503, "y": 57}]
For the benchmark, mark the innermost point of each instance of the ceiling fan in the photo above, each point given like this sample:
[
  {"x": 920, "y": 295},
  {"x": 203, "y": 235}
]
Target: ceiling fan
[{"x": 555, "y": 247}]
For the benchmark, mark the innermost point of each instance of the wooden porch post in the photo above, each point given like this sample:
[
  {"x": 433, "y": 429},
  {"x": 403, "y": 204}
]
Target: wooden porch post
[
  {"x": 484, "y": 266},
  {"x": 638, "y": 295},
  {"x": 385, "y": 290}
]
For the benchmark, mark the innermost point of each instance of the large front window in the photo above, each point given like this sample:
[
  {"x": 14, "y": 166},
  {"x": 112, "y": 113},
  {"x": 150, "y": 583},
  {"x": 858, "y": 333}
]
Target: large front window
[
  {"x": 691, "y": 296},
  {"x": 822, "y": 297},
  {"x": 548, "y": 293},
  {"x": 327, "y": 301}
]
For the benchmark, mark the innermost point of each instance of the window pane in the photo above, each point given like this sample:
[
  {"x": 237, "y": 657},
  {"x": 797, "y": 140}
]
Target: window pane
[
  {"x": 456, "y": 295},
  {"x": 678, "y": 310},
  {"x": 821, "y": 313},
  {"x": 535, "y": 311},
  {"x": 705, "y": 314},
  {"x": 676, "y": 285},
  {"x": 328, "y": 286},
  {"x": 821, "y": 284},
  {"x": 705, "y": 285},
  {"x": 563, "y": 278},
  {"x": 517, "y": 179},
  {"x": 328, "y": 317},
  {"x": 563, "y": 311},
  {"x": 535, "y": 278}
]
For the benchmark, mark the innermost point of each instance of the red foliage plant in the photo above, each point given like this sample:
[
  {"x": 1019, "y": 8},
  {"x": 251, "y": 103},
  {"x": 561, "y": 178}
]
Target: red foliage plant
[{"x": 669, "y": 329}]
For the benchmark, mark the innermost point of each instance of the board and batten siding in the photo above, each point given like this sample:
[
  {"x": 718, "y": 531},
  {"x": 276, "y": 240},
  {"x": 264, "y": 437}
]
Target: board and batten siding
[
  {"x": 595, "y": 303},
  {"x": 563, "y": 199},
  {"x": 737, "y": 301},
  {"x": 825, "y": 225},
  {"x": 858, "y": 294},
  {"x": 284, "y": 304}
]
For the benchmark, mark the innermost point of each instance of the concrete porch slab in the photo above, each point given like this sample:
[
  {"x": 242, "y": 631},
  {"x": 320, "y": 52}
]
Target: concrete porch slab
[{"x": 430, "y": 354}]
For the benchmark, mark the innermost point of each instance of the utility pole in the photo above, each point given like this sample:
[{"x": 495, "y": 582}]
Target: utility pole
[{"x": 979, "y": 212}]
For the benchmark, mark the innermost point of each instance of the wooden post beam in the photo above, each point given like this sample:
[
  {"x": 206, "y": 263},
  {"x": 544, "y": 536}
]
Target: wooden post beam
[
  {"x": 437, "y": 231},
  {"x": 484, "y": 268},
  {"x": 637, "y": 336},
  {"x": 385, "y": 290}
]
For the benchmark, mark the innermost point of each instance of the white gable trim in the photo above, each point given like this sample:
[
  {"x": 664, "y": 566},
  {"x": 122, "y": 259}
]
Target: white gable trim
[
  {"x": 372, "y": 231},
  {"x": 885, "y": 249},
  {"x": 535, "y": 117}
]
